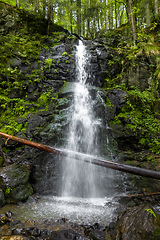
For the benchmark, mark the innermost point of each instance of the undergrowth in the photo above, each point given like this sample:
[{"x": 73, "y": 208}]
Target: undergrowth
[{"x": 141, "y": 112}]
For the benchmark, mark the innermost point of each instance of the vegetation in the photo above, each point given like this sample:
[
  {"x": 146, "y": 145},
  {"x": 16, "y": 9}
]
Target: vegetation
[
  {"x": 106, "y": 19},
  {"x": 141, "y": 111},
  {"x": 87, "y": 17}
]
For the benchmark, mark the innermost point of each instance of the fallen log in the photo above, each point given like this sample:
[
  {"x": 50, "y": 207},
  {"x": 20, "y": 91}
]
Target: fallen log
[
  {"x": 141, "y": 195},
  {"x": 86, "y": 158}
]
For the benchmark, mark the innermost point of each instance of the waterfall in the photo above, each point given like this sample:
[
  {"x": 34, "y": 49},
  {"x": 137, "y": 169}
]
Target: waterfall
[{"x": 82, "y": 179}]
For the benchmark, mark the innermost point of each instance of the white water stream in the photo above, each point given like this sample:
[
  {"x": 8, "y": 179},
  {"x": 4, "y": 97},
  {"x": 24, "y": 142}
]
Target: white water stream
[{"x": 80, "y": 179}]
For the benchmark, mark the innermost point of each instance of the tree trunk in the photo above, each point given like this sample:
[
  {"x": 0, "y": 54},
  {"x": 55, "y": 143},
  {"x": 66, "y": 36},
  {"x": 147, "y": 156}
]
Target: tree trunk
[
  {"x": 156, "y": 7},
  {"x": 44, "y": 9},
  {"x": 121, "y": 17},
  {"x": 106, "y": 17},
  {"x": 49, "y": 15},
  {"x": 79, "y": 17},
  {"x": 116, "y": 13},
  {"x": 148, "y": 21},
  {"x": 71, "y": 17},
  {"x": 132, "y": 18},
  {"x": 88, "y": 18},
  {"x": 86, "y": 158},
  {"x": 111, "y": 15}
]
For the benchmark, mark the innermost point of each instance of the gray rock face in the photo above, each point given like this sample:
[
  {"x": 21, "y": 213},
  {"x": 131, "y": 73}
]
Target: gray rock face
[
  {"x": 138, "y": 73},
  {"x": 13, "y": 175},
  {"x": 14, "y": 183}
]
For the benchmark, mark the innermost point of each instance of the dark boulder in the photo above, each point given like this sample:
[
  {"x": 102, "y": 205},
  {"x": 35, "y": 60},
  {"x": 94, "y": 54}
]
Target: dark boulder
[
  {"x": 138, "y": 223},
  {"x": 14, "y": 182}
]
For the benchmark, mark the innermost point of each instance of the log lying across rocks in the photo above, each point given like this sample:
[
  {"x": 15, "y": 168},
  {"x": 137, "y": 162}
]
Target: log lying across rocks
[{"x": 86, "y": 158}]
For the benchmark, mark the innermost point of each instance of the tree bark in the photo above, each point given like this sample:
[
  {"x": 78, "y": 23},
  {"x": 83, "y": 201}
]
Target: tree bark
[
  {"x": 86, "y": 158},
  {"x": 116, "y": 18},
  {"x": 44, "y": 9},
  {"x": 79, "y": 17},
  {"x": 111, "y": 15},
  {"x": 88, "y": 18},
  {"x": 148, "y": 20},
  {"x": 132, "y": 18},
  {"x": 156, "y": 7},
  {"x": 106, "y": 17}
]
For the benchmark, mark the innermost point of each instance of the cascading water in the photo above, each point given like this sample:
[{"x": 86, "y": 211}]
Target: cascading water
[
  {"x": 82, "y": 179},
  {"x": 79, "y": 178}
]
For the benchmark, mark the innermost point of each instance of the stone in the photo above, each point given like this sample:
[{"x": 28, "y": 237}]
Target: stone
[
  {"x": 65, "y": 235},
  {"x": 13, "y": 175},
  {"x": 20, "y": 193},
  {"x": 138, "y": 223},
  {"x": 14, "y": 181},
  {"x": 2, "y": 198}
]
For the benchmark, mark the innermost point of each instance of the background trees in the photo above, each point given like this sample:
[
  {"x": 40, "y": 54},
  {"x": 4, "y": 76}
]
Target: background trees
[{"x": 87, "y": 17}]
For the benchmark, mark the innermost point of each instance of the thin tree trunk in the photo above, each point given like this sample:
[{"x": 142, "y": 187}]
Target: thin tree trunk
[
  {"x": 121, "y": 17},
  {"x": 148, "y": 21},
  {"x": 44, "y": 9},
  {"x": 86, "y": 158},
  {"x": 116, "y": 12},
  {"x": 156, "y": 7},
  {"x": 132, "y": 18},
  {"x": 79, "y": 17},
  {"x": 50, "y": 16},
  {"x": 71, "y": 17},
  {"x": 111, "y": 15},
  {"x": 106, "y": 17},
  {"x": 88, "y": 18}
]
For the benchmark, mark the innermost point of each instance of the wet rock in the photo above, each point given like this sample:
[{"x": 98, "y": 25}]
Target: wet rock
[
  {"x": 13, "y": 175},
  {"x": 45, "y": 233},
  {"x": 20, "y": 193},
  {"x": 65, "y": 235},
  {"x": 2, "y": 198},
  {"x": 14, "y": 181},
  {"x": 9, "y": 214},
  {"x": 17, "y": 231},
  {"x": 97, "y": 235},
  {"x": 138, "y": 223}
]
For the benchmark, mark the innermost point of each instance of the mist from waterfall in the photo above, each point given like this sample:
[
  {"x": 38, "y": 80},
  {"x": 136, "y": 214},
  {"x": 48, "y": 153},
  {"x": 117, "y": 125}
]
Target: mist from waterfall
[{"x": 81, "y": 179}]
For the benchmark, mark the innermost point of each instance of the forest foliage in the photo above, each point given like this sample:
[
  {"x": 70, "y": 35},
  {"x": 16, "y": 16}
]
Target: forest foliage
[
  {"x": 134, "y": 23},
  {"x": 87, "y": 17}
]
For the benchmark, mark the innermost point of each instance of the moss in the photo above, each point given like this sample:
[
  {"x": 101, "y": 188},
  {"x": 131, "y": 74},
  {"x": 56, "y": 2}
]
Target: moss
[
  {"x": 108, "y": 103},
  {"x": 1, "y": 161},
  {"x": 22, "y": 192},
  {"x": 138, "y": 115}
]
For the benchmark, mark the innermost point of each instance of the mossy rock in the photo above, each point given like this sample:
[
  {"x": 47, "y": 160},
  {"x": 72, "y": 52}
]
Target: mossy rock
[
  {"x": 138, "y": 223},
  {"x": 13, "y": 175},
  {"x": 20, "y": 193}
]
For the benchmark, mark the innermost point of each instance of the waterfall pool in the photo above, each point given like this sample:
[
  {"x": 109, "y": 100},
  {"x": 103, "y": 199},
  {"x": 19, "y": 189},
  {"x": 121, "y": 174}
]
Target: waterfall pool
[{"x": 77, "y": 210}]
